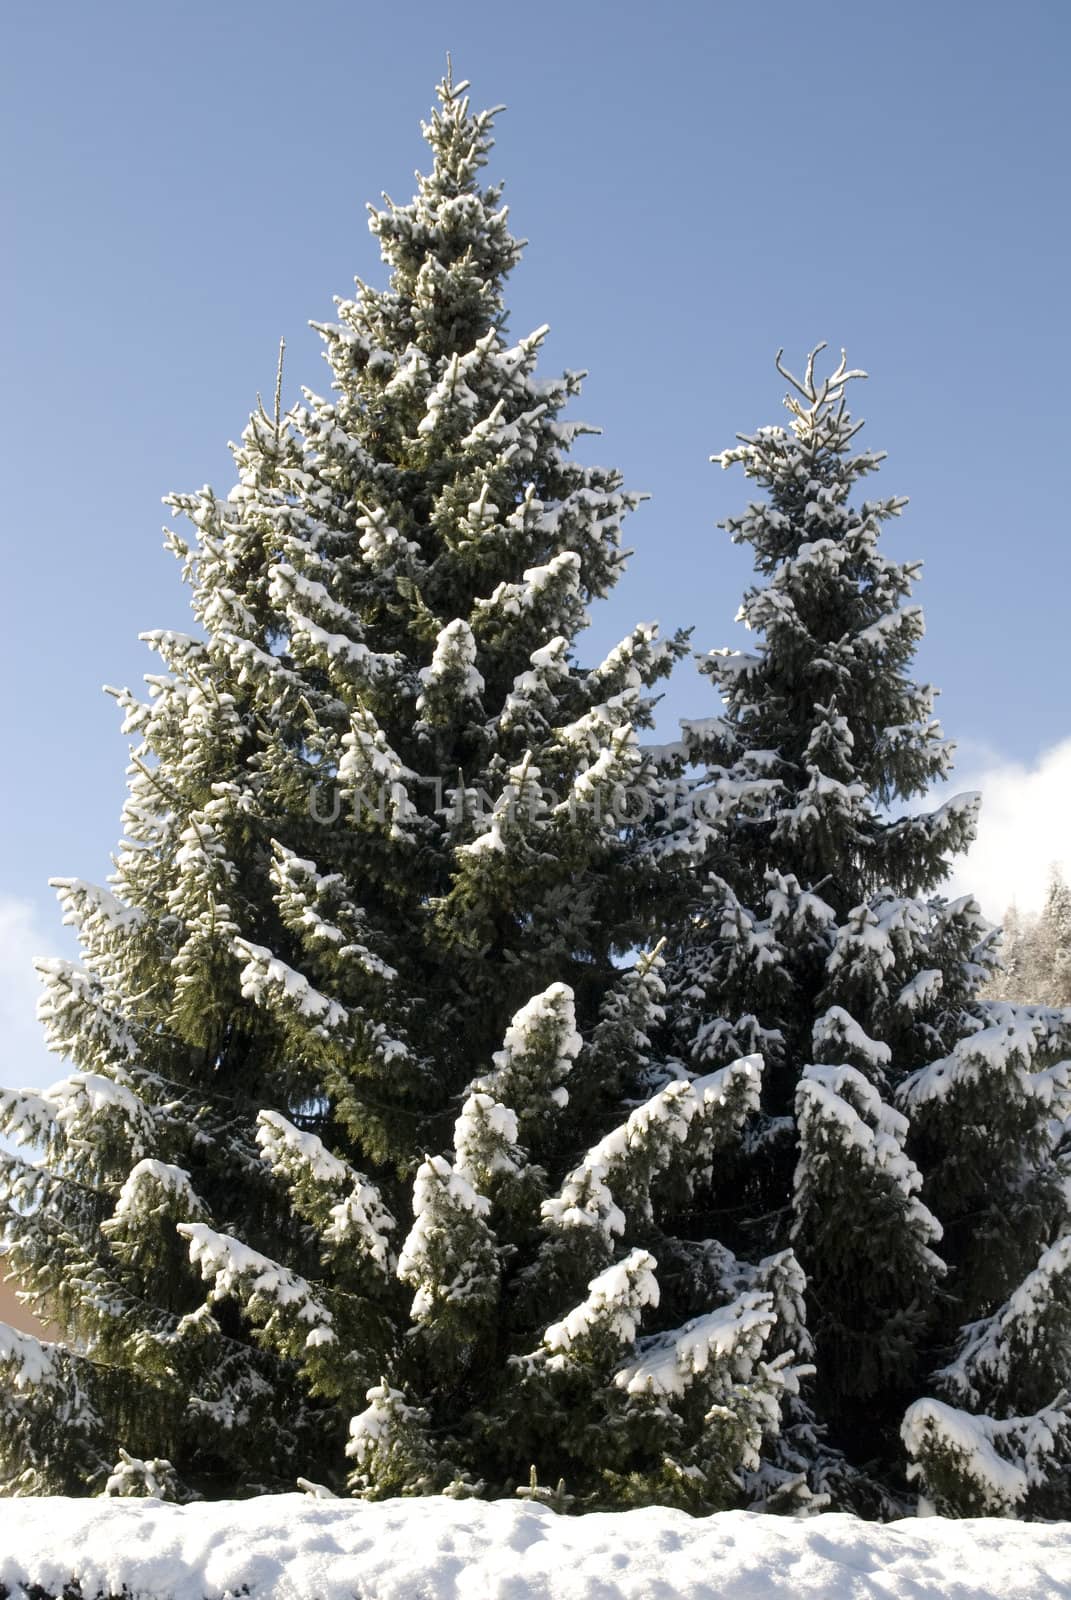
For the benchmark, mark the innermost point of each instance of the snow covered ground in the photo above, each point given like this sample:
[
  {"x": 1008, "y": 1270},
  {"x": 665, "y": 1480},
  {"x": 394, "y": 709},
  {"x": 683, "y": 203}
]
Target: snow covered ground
[{"x": 292, "y": 1547}]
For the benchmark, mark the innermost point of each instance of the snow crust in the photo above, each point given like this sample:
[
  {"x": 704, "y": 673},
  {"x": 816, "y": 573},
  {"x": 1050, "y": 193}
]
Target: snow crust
[{"x": 293, "y": 1547}]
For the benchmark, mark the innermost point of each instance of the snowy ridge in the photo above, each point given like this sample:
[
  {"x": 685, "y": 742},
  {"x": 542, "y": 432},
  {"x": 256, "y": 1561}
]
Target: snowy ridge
[{"x": 292, "y": 1547}]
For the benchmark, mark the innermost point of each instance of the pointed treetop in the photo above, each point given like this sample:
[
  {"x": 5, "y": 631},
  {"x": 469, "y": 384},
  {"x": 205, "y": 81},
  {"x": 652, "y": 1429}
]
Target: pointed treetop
[
  {"x": 449, "y": 248},
  {"x": 461, "y": 139},
  {"x": 827, "y": 393}
]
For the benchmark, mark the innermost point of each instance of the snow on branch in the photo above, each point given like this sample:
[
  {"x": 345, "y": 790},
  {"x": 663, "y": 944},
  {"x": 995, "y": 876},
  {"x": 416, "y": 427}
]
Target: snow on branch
[
  {"x": 452, "y": 678},
  {"x": 669, "y": 1362},
  {"x": 134, "y": 1478},
  {"x": 449, "y": 1257},
  {"x": 76, "y": 1110},
  {"x": 608, "y": 1319},
  {"x": 830, "y": 389},
  {"x": 841, "y": 1099},
  {"x": 80, "y": 1016},
  {"x": 554, "y": 588},
  {"x": 328, "y": 1192},
  {"x": 28, "y": 1363},
  {"x": 976, "y": 1465},
  {"x": 153, "y": 1185},
  {"x": 537, "y": 1055},
  {"x": 269, "y": 981},
  {"x": 837, "y": 1037},
  {"x": 707, "y": 1111},
  {"x": 1023, "y": 1345},
  {"x": 369, "y": 765},
  {"x": 316, "y": 907},
  {"x": 46, "y": 1395},
  {"x": 1004, "y": 1049},
  {"x": 485, "y": 1142},
  {"x": 389, "y": 1448},
  {"x": 284, "y": 1306}
]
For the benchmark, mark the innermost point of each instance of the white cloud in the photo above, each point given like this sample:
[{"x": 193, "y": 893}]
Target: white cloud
[
  {"x": 1025, "y": 827},
  {"x": 24, "y": 1060}
]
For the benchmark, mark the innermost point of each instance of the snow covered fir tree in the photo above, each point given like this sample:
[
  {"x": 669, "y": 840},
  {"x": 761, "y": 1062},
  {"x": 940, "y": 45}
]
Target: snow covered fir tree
[
  {"x": 466, "y": 1098},
  {"x": 361, "y": 1175},
  {"x": 911, "y": 1148}
]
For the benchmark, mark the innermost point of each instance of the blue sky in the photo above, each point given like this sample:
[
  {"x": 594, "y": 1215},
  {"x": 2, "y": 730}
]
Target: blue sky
[{"x": 701, "y": 183}]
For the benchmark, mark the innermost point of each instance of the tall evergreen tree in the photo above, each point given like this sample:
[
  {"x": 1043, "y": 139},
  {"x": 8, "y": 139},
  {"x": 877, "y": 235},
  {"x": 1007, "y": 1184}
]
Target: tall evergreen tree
[
  {"x": 356, "y": 1041},
  {"x": 911, "y": 1147}
]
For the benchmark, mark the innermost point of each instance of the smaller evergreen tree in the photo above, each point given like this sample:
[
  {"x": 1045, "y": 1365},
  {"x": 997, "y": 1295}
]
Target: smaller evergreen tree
[{"x": 911, "y": 1145}]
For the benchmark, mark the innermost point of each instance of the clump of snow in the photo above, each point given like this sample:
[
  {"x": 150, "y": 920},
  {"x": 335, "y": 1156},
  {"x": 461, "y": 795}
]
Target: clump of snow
[
  {"x": 28, "y": 1363},
  {"x": 148, "y": 1182},
  {"x": 454, "y": 658},
  {"x": 294, "y": 1547}
]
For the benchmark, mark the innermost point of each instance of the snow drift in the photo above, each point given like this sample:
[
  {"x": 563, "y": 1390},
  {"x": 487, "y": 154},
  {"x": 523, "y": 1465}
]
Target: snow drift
[{"x": 292, "y": 1547}]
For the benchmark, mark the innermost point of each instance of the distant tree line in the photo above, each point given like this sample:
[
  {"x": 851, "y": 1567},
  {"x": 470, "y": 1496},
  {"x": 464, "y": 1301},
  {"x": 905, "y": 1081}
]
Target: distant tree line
[{"x": 1037, "y": 951}]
